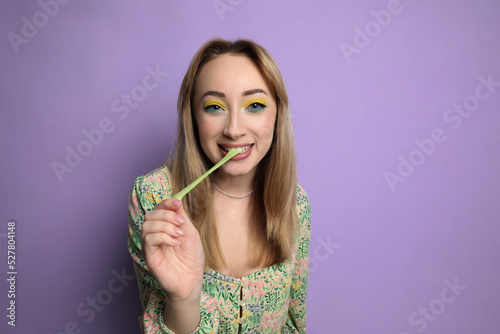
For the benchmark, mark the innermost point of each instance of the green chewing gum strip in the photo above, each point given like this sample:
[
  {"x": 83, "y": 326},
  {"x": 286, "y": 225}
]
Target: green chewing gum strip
[{"x": 184, "y": 191}]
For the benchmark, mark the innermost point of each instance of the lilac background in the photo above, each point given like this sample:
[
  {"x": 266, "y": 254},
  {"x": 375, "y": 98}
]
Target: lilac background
[{"x": 377, "y": 254}]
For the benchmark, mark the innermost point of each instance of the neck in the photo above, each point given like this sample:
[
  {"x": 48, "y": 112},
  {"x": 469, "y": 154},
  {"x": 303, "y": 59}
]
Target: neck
[{"x": 236, "y": 185}]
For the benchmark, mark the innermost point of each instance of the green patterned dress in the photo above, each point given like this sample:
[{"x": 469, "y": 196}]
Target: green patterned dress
[{"x": 272, "y": 300}]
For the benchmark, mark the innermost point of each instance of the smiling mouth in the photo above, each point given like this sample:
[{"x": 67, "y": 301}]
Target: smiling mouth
[{"x": 239, "y": 148}]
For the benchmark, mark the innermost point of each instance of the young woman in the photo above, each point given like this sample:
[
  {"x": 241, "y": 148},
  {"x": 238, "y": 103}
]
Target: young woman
[{"x": 233, "y": 256}]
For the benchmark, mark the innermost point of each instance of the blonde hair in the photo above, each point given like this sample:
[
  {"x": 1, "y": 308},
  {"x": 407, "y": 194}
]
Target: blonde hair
[{"x": 274, "y": 199}]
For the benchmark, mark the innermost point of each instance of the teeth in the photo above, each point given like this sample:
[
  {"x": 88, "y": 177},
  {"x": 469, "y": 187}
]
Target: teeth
[{"x": 237, "y": 149}]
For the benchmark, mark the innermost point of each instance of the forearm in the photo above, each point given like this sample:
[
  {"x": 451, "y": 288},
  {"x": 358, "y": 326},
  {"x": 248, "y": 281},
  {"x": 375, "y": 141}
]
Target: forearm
[{"x": 182, "y": 316}]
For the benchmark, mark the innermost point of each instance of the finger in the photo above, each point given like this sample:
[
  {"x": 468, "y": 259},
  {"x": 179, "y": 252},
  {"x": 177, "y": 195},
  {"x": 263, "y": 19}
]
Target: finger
[
  {"x": 164, "y": 215},
  {"x": 177, "y": 206},
  {"x": 154, "y": 240},
  {"x": 169, "y": 204},
  {"x": 153, "y": 227}
]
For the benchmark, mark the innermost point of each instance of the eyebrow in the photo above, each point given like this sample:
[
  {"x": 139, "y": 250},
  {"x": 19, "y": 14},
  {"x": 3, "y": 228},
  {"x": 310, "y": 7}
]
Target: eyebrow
[
  {"x": 254, "y": 91},
  {"x": 213, "y": 93},
  {"x": 245, "y": 93}
]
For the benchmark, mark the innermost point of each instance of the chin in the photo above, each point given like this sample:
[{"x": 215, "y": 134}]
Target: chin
[{"x": 238, "y": 171}]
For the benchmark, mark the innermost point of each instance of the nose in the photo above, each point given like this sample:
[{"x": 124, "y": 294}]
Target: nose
[{"x": 235, "y": 127}]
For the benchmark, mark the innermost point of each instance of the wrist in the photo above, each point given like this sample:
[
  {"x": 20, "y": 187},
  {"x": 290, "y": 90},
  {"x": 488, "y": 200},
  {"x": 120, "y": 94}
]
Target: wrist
[
  {"x": 182, "y": 315},
  {"x": 192, "y": 297}
]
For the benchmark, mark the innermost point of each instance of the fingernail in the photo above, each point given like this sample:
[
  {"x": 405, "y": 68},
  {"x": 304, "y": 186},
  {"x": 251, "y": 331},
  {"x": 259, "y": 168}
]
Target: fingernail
[
  {"x": 175, "y": 241},
  {"x": 178, "y": 231},
  {"x": 176, "y": 203},
  {"x": 179, "y": 219}
]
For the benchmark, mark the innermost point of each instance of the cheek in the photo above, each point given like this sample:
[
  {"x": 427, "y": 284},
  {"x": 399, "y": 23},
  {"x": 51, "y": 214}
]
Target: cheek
[
  {"x": 203, "y": 132},
  {"x": 266, "y": 128},
  {"x": 206, "y": 127}
]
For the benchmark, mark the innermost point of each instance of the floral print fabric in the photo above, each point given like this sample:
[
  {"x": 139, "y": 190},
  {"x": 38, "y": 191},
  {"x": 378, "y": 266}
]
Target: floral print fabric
[{"x": 272, "y": 300}]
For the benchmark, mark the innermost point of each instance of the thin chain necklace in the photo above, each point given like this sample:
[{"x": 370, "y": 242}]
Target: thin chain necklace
[{"x": 234, "y": 196}]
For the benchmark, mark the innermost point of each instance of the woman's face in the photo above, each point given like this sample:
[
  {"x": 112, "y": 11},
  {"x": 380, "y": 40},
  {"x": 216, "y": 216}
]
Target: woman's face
[{"x": 234, "y": 107}]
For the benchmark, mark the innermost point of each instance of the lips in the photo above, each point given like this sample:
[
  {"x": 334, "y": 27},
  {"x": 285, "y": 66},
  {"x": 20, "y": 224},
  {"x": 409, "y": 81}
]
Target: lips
[{"x": 224, "y": 149}]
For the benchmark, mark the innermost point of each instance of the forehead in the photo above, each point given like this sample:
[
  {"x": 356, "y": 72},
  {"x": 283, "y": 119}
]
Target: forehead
[{"x": 230, "y": 74}]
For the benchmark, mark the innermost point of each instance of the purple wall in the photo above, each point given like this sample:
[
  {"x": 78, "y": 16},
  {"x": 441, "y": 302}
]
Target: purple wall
[{"x": 396, "y": 110}]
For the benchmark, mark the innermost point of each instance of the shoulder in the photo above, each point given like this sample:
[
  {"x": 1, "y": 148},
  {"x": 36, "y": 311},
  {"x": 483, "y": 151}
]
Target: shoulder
[
  {"x": 303, "y": 206},
  {"x": 158, "y": 178},
  {"x": 301, "y": 194},
  {"x": 156, "y": 184},
  {"x": 303, "y": 209},
  {"x": 304, "y": 223}
]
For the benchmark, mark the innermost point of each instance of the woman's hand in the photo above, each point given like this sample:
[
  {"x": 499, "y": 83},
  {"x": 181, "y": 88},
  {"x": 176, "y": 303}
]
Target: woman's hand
[{"x": 172, "y": 249}]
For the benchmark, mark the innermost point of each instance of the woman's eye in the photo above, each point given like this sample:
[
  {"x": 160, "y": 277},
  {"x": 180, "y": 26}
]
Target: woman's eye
[
  {"x": 213, "y": 108},
  {"x": 256, "y": 106}
]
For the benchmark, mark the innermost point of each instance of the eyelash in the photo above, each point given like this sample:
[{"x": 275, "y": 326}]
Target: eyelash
[
  {"x": 256, "y": 105},
  {"x": 252, "y": 107},
  {"x": 210, "y": 108}
]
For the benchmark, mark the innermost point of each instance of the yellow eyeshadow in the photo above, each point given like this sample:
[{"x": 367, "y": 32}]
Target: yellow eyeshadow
[
  {"x": 261, "y": 101},
  {"x": 217, "y": 103}
]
